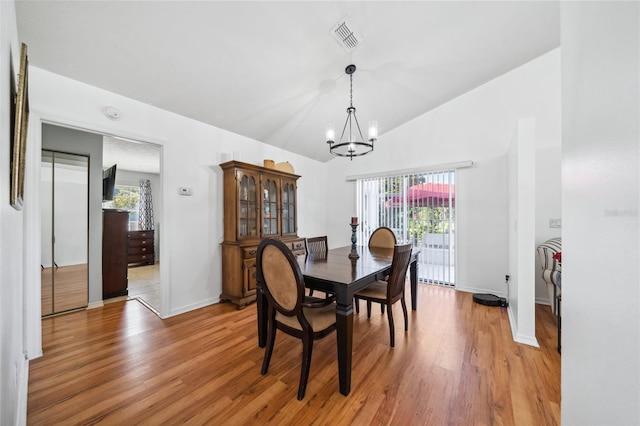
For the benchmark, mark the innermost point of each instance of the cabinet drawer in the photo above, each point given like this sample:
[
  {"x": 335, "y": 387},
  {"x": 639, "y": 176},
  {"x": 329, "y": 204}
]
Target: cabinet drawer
[
  {"x": 140, "y": 243},
  {"x": 297, "y": 246},
  {"x": 134, "y": 258},
  {"x": 140, "y": 250},
  {"x": 140, "y": 235},
  {"x": 249, "y": 252}
]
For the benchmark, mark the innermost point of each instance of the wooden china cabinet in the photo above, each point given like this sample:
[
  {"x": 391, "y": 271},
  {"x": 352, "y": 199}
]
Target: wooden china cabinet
[{"x": 258, "y": 203}]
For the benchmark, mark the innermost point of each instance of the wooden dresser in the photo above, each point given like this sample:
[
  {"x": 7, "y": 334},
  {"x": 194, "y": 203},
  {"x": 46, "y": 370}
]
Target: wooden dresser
[
  {"x": 140, "y": 247},
  {"x": 114, "y": 253},
  {"x": 258, "y": 203}
]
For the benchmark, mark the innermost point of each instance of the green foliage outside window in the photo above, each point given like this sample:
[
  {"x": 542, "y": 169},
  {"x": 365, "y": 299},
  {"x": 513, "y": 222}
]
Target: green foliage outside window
[
  {"x": 428, "y": 220},
  {"x": 126, "y": 198}
]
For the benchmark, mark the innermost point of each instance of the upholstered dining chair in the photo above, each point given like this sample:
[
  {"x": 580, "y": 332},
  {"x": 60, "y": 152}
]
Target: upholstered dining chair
[
  {"x": 387, "y": 292},
  {"x": 316, "y": 246},
  {"x": 382, "y": 237},
  {"x": 283, "y": 285}
]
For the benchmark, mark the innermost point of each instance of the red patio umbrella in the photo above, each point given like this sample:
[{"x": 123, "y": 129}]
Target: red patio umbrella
[{"x": 426, "y": 195}]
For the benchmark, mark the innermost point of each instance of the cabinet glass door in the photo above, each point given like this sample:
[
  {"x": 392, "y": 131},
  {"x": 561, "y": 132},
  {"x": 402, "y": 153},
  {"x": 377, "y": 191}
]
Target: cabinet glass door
[
  {"x": 65, "y": 229},
  {"x": 288, "y": 208},
  {"x": 248, "y": 206},
  {"x": 270, "y": 208}
]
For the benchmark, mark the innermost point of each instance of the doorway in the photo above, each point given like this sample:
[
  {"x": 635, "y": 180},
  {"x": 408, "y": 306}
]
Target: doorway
[
  {"x": 99, "y": 151},
  {"x": 138, "y": 191}
]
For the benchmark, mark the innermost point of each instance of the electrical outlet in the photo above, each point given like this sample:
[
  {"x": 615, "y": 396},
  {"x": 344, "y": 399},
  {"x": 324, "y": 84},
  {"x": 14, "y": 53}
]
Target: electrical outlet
[{"x": 185, "y": 191}]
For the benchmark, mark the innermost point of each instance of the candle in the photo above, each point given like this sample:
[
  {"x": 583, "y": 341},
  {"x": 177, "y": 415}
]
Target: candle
[{"x": 354, "y": 220}]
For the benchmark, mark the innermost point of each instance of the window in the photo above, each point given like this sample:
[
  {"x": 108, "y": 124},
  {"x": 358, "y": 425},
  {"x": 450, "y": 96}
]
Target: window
[
  {"x": 419, "y": 208},
  {"x": 126, "y": 198}
]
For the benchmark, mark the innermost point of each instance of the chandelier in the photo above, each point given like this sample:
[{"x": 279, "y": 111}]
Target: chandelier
[{"x": 351, "y": 143}]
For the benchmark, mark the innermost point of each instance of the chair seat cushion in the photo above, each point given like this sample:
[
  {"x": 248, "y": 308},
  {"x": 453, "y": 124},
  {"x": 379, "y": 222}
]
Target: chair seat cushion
[
  {"x": 319, "y": 318},
  {"x": 377, "y": 290}
]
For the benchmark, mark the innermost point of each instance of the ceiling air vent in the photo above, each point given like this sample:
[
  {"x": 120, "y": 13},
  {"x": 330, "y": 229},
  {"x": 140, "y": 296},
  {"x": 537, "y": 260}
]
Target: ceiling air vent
[{"x": 346, "y": 36}]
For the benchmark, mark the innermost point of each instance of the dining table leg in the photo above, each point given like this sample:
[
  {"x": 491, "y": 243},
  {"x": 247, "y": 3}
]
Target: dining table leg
[
  {"x": 344, "y": 335},
  {"x": 413, "y": 276}
]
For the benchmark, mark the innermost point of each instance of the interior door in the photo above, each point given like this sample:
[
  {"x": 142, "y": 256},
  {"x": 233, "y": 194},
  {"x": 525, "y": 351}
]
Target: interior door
[{"x": 65, "y": 229}]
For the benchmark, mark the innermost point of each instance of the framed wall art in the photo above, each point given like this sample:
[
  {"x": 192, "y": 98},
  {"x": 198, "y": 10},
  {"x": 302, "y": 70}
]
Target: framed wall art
[{"x": 19, "y": 140}]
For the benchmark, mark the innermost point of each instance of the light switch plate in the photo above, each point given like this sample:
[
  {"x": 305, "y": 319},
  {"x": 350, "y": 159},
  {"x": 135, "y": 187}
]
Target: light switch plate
[
  {"x": 555, "y": 223},
  {"x": 183, "y": 190}
]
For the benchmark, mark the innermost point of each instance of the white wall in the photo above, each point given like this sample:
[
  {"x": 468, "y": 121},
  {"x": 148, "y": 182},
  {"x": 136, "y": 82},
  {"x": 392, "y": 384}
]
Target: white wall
[
  {"x": 13, "y": 363},
  {"x": 548, "y": 206},
  {"x": 600, "y": 205},
  {"x": 191, "y": 151},
  {"x": 476, "y": 126},
  {"x": 521, "y": 232}
]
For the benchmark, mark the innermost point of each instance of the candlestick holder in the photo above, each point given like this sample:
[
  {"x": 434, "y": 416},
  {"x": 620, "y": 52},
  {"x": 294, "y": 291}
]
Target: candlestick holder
[{"x": 354, "y": 253}]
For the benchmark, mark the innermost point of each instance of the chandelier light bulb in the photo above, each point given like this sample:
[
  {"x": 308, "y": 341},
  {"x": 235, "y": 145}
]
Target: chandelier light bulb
[
  {"x": 331, "y": 133},
  {"x": 373, "y": 130}
]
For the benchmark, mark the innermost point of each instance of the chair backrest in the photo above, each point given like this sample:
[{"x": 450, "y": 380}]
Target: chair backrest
[
  {"x": 316, "y": 245},
  {"x": 546, "y": 251},
  {"x": 279, "y": 273},
  {"x": 382, "y": 237},
  {"x": 399, "y": 266}
]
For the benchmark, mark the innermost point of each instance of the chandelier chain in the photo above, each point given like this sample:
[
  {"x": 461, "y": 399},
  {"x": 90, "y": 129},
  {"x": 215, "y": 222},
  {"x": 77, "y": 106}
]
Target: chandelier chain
[{"x": 351, "y": 90}]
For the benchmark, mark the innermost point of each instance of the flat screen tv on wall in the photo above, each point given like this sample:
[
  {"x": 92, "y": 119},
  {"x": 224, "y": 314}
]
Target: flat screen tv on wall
[{"x": 108, "y": 183}]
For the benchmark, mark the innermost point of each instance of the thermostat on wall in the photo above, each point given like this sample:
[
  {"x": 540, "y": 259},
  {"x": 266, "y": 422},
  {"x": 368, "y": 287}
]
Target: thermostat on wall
[{"x": 183, "y": 190}]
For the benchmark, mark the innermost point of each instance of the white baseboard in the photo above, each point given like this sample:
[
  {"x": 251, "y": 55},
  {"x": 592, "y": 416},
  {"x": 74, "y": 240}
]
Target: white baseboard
[
  {"x": 188, "y": 308},
  {"x": 543, "y": 301},
  {"x": 527, "y": 340},
  {"x": 480, "y": 290},
  {"x": 518, "y": 337},
  {"x": 93, "y": 305},
  {"x": 23, "y": 392}
]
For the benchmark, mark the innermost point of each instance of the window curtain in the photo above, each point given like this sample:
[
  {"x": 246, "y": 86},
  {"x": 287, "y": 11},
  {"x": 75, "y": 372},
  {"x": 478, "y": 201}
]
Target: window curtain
[{"x": 145, "y": 209}]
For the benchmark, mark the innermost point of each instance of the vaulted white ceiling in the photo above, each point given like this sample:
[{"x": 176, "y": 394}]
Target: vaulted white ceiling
[{"x": 273, "y": 71}]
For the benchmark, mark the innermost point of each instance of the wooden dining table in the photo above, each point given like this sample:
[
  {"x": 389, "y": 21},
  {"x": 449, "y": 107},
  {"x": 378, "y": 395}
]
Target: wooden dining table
[{"x": 339, "y": 274}]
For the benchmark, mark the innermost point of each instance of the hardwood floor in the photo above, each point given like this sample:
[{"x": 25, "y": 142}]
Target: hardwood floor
[
  {"x": 144, "y": 283},
  {"x": 457, "y": 365},
  {"x": 70, "y": 290}
]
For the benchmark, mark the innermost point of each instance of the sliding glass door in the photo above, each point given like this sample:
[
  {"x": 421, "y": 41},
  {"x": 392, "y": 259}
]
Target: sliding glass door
[
  {"x": 64, "y": 196},
  {"x": 419, "y": 208}
]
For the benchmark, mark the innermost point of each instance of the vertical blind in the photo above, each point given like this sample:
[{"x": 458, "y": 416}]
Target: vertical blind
[{"x": 419, "y": 208}]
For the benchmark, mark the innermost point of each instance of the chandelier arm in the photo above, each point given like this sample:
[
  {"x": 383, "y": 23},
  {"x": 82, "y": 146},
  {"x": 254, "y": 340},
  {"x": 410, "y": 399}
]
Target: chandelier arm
[
  {"x": 358, "y": 125},
  {"x": 344, "y": 128}
]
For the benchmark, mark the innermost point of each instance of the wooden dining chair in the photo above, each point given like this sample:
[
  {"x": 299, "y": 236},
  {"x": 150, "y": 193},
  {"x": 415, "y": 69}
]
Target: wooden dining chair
[
  {"x": 381, "y": 237},
  {"x": 316, "y": 246},
  {"x": 283, "y": 285},
  {"x": 388, "y": 292}
]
